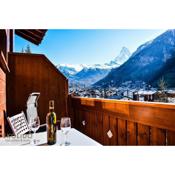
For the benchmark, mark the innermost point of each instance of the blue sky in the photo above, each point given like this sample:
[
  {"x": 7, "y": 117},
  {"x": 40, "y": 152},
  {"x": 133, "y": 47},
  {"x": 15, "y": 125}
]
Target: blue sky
[{"x": 87, "y": 46}]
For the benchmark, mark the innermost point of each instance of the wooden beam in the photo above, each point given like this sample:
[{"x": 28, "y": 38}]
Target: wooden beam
[
  {"x": 3, "y": 63},
  {"x": 11, "y": 39},
  {"x": 27, "y": 37},
  {"x": 34, "y": 36},
  {"x": 39, "y": 32}
]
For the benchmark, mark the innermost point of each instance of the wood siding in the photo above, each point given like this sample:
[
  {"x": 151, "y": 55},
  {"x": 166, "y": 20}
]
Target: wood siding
[
  {"x": 131, "y": 123},
  {"x": 5, "y": 43},
  {"x": 35, "y": 73},
  {"x": 2, "y": 100}
]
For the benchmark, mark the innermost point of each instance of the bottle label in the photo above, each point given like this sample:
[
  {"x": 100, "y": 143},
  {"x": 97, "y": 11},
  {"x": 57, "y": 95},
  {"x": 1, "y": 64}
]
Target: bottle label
[{"x": 51, "y": 128}]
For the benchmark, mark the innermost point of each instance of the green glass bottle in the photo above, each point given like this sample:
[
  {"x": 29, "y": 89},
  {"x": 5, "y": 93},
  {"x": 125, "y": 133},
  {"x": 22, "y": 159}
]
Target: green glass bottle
[{"x": 51, "y": 124}]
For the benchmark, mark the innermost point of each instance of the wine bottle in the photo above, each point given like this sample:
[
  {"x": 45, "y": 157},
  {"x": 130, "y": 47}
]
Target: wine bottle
[{"x": 51, "y": 124}]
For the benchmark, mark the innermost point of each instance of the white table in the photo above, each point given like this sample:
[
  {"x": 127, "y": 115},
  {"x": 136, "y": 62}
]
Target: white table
[{"x": 75, "y": 137}]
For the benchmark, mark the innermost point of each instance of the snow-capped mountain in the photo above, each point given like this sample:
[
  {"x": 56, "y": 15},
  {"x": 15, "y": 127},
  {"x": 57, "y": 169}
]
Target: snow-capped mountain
[
  {"x": 69, "y": 70},
  {"x": 89, "y": 74},
  {"x": 150, "y": 62},
  {"x": 120, "y": 59}
]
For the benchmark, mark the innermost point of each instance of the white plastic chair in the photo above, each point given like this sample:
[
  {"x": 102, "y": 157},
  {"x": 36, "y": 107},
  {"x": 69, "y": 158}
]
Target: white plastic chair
[
  {"x": 18, "y": 124},
  {"x": 32, "y": 104}
]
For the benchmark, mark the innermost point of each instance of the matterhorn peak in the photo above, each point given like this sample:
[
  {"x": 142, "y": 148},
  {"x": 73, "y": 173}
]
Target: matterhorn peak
[
  {"x": 124, "y": 52},
  {"x": 123, "y": 55}
]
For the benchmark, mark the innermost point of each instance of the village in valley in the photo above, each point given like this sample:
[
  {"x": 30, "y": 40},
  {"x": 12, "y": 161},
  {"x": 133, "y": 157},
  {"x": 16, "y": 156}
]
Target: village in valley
[{"x": 137, "y": 91}]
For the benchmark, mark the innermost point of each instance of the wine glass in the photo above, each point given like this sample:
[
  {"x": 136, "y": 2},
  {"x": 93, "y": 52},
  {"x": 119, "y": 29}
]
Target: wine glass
[
  {"x": 65, "y": 126},
  {"x": 34, "y": 125}
]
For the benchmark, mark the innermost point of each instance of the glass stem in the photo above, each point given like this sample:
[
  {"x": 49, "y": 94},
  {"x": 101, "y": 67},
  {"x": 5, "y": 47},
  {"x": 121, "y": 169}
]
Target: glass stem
[
  {"x": 34, "y": 141},
  {"x": 65, "y": 141}
]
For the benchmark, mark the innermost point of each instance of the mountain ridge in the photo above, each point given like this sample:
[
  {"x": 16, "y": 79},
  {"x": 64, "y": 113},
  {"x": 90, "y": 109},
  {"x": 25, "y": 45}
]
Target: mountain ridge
[
  {"x": 89, "y": 74},
  {"x": 146, "y": 63}
]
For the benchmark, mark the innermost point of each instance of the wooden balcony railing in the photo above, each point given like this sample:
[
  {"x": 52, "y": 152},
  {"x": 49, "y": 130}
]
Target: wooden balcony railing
[{"x": 114, "y": 122}]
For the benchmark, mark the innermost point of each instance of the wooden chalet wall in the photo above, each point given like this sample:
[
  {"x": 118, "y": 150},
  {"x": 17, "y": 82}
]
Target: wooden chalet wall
[
  {"x": 35, "y": 73},
  {"x": 2, "y": 100},
  {"x": 6, "y": 38}
]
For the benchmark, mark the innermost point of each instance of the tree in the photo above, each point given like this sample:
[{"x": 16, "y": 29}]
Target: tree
[
  {"x": 28, "y": 50},
  {"x": 162, "y": 85},
  {"x": 104, "y": 93}
]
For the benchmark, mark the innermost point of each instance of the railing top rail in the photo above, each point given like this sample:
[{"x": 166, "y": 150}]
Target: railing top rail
[
  {"x": 160, "y": 115},
  {"x": 128, "y": 102}
]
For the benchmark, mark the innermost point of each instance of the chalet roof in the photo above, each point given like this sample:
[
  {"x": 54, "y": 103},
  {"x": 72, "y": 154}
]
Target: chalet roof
[
  {"x": 33, "y": 35},
  {"x": 144, "y": 92}
]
